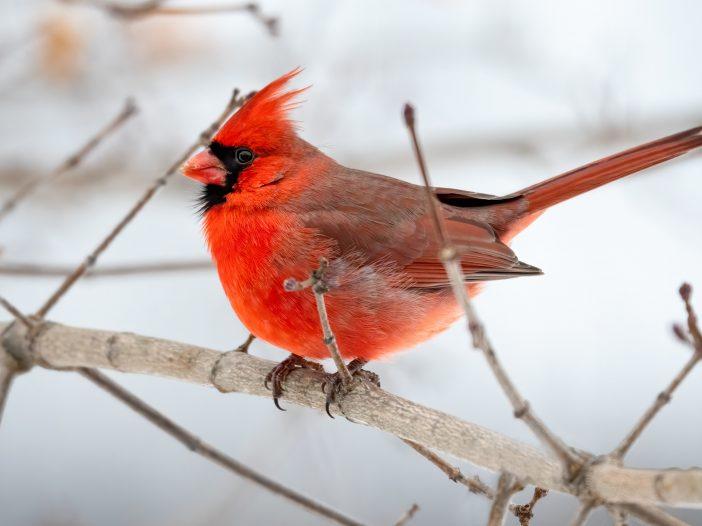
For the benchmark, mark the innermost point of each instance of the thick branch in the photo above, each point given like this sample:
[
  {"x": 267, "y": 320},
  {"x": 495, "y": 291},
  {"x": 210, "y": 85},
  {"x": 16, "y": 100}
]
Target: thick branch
[{"x": 59, "y": 346}]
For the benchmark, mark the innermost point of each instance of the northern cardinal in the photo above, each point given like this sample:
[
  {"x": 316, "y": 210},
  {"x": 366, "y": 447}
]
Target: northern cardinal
[{"x": 273, "y": 205}]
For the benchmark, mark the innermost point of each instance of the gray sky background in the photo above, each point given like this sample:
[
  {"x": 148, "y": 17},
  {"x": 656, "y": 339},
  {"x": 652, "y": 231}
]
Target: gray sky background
[{"x": 588, "y": 343}]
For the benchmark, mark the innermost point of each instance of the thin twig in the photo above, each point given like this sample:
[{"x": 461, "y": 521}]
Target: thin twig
[
  {"x": 407, "y": 516},
  {"x": 665, "y": 396},
  {"x": 618, "y": 516},
  {"x": 474, "y": 484},
  {"x": 449, "y": 258},
  {"x": 507, "y": 486},
  {"x": 651, "y": 515},
  {"x": 50, "y": 271},
  {"x": 319, "y": 287},
  {"x": 16, "y": 313},
  {"x": 196, "y": 445},
  {"x": 90, "y": 260},
  {"x": 8, "y": 371},
  {"x": 525, "y": 512},
  {"x": 155, "y": 7},
  {"x": 71, "y": 161},
  {"x": 584, "y": 511}
]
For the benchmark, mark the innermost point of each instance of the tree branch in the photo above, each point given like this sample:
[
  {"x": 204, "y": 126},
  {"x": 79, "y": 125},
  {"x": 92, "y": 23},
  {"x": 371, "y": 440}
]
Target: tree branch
[
  {"x": 474, "y": 484},
  {"x": 319, "y": 288},
  {"x": 127, "y": 269},
  {"x": 196, "y": 445},
  {"x": 407, "y": 516},
  {"x": 71, "y": 161},
  {"x": 91, "y": 258},
  {"x": 665, "y": 396},
  {"x": 507, "y": 486},
  {"x": 58, "y": 346},
  {"x": 149, "y": 8},
  {"x": 449, "y": 257}
]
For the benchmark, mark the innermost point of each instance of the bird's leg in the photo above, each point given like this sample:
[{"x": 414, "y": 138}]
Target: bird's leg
[
  {"x": 275, "y": 379},
  {"x": 244, "y": 347},
  {"x": 332, "y": 385}
]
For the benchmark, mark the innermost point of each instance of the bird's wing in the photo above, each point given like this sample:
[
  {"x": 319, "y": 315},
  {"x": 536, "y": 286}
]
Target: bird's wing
[{"x": 387, "y": 221}]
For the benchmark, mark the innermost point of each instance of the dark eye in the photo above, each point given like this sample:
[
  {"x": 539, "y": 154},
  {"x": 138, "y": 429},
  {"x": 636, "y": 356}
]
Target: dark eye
[{"x": 244, "y": 156}]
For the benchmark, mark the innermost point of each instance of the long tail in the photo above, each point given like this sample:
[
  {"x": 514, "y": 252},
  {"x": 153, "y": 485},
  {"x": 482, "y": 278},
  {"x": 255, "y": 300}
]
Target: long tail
[{"x": 552, "y": 191}]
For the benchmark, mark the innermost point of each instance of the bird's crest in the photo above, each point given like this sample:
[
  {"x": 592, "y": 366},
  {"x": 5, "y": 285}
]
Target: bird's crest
[{"x": 262, "y": 123}]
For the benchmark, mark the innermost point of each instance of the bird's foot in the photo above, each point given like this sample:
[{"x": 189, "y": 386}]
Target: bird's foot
[
  {"x": 244, "y": 347},
  {"x": 276, "y": 378},
  {"x": 333, "y": 386}
]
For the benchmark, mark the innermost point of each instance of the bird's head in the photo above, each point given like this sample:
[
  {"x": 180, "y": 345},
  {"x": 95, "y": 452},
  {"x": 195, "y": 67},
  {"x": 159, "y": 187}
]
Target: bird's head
[{"x": 252, "y": 149}]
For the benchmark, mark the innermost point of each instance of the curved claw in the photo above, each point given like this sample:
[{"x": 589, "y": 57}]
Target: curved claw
[
  {"x": 276, "y": 377},
  {"x": 332, "y": 384}
]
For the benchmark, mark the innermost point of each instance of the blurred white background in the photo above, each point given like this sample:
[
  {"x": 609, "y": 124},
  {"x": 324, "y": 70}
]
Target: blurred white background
[{"x": 507, "y": 92}]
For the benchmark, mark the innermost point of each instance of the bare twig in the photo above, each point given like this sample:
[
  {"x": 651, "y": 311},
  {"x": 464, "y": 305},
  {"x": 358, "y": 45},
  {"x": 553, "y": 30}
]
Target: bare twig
[
  {"x": 196, "y": 445},
  {"x": 651, "y": 515},
  {"x": 235, "y": 102},
  {"x": 319, "y": 288},
  {"x": 525, "y": 512},
  {"x": 50, "y": 271},
  {"x": 665, "y": 396},
  {"x": 71, "y": 161},
  {"x": 8, "y": 371},
  {"x": 449, "y": 258},
  {"x": 155, "y": 7},
  {"x": 407, "y": 516},
  {"x": 16, "y": 313},
  {"x": 507, "y": 486},
  {"x": 474, "y": 484},
  {"x": 584, "y": 511},
  {"x": 618, "y": 516}
]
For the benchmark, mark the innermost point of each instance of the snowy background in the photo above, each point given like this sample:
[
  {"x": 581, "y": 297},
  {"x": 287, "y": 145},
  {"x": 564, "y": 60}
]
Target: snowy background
[{"x": 507, "y": 93}]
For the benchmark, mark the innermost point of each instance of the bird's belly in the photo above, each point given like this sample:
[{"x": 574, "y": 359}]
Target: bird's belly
[
  {"x": 370, "y": 316},
  {"x": 371, "y": 313}
]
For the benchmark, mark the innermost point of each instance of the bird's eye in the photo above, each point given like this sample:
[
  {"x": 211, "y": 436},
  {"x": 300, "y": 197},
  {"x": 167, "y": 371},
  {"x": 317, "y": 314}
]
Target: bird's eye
[{"x": 244, "y": 156}]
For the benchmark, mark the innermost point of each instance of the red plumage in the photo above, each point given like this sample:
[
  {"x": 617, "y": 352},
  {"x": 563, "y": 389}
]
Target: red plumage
[{"x": 274, "y": 217}]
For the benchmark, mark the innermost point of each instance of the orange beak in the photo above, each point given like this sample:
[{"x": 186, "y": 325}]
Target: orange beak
[{"x": 205, "y": 168}]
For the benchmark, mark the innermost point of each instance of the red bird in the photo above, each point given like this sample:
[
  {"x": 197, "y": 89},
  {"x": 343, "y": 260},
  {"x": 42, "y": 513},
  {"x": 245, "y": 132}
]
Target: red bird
[{"x": 273, "y": 205}]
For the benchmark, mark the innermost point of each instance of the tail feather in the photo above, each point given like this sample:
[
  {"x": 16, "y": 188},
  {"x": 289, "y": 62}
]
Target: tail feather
[{"x": 570, "y": 184}]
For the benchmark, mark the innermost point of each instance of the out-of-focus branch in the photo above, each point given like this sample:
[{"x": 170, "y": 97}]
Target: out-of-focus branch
[
  {"x": 8, "y": 370},
  {"x": 584, "y": 510},
  {"x": 70, "y": 162},
  {"x": 150, "y": 8},
  {"x": 196, "y": 445},
  {"x": 58, "y": 346},
  {"x": 235, "y": 102},
  {"x": 51, "y": 271},
  {"x": 407, "y": 516},
  {"x": 449, "y": 258},
  {"x": 651, "y": 515}
]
